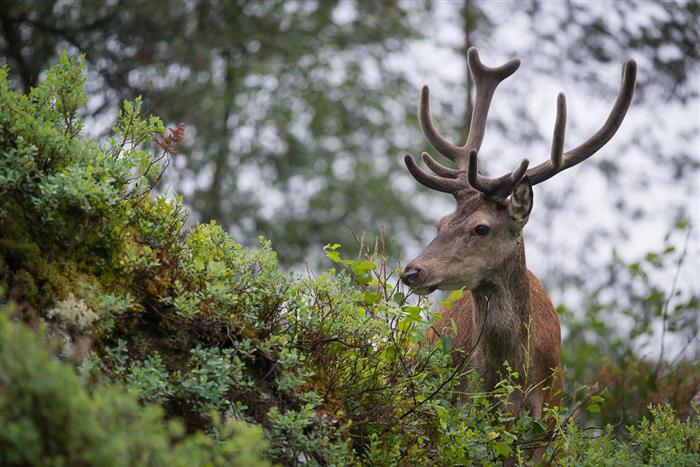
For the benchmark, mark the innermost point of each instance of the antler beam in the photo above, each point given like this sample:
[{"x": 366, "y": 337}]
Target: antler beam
[
  {"x": 498, "y": 187},
  {"x": 485, "y": 80}
]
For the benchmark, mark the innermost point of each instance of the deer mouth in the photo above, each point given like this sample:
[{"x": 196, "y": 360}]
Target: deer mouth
[{"x": 425, "y": 290}]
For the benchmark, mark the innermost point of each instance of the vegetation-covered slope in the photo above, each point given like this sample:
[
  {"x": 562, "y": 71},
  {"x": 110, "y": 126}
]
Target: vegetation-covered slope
[{"x": 126, "y": 339}]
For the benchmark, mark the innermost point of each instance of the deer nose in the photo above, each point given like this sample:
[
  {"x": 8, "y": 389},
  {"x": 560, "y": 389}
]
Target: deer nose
[{"x": 410, "y": 276}]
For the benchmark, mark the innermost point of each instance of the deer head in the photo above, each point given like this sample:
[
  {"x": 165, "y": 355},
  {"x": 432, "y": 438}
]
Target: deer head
[{"x": 485, "y": 230}]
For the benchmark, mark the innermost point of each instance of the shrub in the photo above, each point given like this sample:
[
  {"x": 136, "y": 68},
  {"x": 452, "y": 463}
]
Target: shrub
[{"x": 49, "y": 418}]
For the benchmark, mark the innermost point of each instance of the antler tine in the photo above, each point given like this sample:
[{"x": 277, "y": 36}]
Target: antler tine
[
  {"x": 501, "y": 186},
  {"x": 440, "y": 169},
  {"x": 449, "y": 150},
  {"x": 486, "y": 79},
  {"x": 446, "y": 185},
  {"x": 557, "y": 151},
  {"x": 547, "y": 169}
]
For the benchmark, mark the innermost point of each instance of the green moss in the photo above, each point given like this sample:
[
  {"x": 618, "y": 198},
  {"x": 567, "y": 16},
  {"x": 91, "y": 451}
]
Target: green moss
[
  {"x": 44, "y": 280},
  {"x": 4, "y": 272},
  {"x": 23, "y": 289},
  {"x": 14, "y": 224},
  {"x": 19, "y": 251},
  {"x": 55, "y": 284}
]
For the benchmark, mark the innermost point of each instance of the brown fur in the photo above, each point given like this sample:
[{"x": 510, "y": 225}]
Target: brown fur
[
  {"x": 505, "y": 315},
  {"x": 544, "y": 342}
]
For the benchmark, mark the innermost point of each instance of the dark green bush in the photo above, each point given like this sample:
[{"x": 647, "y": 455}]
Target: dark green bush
[
  {"x": 49, "y": 418},
  {"x": 165, "y": 332}
]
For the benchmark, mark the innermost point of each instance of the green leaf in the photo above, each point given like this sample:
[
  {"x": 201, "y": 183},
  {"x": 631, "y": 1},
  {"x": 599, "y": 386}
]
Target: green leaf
[
  {"x": 446, "y": 343},
  {"x": 538, "y": 427},
  {"x": 333, "y": 256},
  {"x": 363, "y": 279},
  {"x": 398, "y": 298},
  {"x": 413, "y": 311},
  {"x": 502, "y": 449},
  {"x": 593, "y": 408},
  {"x": 370, "y": 298}
]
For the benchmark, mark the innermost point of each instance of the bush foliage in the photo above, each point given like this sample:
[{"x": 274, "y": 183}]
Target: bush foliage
[{"x": 127, "y": 339}]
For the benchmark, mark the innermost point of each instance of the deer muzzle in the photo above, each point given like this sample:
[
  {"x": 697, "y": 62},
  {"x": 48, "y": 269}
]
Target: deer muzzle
[{"x": 415, "y": 278}]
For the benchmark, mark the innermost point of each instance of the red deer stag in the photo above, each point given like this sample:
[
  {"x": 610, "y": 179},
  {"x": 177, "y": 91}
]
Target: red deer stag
[{"x": 506, "y": 316}]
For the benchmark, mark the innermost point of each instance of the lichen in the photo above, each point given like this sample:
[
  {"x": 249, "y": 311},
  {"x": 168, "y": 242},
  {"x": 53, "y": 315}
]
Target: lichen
[{"x": 73, "y": 313}]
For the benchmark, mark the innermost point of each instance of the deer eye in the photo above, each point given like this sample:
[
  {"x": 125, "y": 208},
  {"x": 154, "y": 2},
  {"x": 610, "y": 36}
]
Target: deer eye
[{"x": 482, "y": 230}]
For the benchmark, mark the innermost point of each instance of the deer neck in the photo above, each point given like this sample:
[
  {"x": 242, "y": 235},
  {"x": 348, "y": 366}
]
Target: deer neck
[{"x": 502, "y": 316}]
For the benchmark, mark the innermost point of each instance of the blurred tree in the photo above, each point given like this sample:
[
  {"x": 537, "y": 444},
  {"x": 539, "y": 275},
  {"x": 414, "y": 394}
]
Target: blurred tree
[
  {"x": 637, "y": 335},
  {"x": 293, "y": 112},
  {"x": 663, "y": 35}
]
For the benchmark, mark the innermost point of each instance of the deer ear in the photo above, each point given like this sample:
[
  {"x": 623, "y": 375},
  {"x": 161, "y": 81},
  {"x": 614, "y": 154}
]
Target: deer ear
[{"x": 520, "y": 203}]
